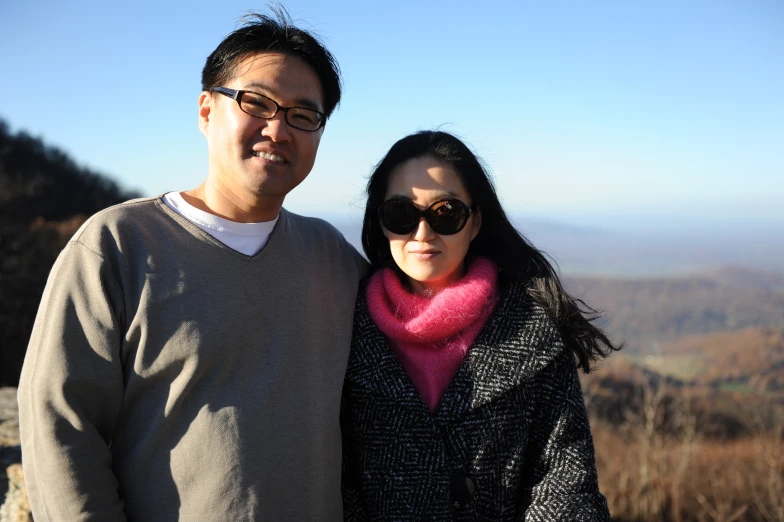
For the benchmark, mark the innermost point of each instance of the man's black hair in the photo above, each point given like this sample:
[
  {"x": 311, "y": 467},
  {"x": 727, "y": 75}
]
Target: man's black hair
[{"x": 276, "y": 33}]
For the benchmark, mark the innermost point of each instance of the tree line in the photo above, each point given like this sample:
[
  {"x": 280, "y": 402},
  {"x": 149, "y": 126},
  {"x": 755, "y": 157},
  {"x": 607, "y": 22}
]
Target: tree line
[{"x": 44, "y": 198}]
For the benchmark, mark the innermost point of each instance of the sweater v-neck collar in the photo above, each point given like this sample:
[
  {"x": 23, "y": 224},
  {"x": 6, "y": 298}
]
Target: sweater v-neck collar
[{"x": 198, "y": 233}]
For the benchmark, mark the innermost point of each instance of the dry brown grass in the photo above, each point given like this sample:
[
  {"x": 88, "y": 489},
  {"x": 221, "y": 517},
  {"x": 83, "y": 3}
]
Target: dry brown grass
[{"x": 649, "y": 473}]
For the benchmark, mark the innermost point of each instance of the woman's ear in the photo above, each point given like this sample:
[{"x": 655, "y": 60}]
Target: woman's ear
[{"x": 477, "y": 223}]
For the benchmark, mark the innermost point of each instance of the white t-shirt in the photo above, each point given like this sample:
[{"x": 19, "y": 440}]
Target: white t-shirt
[{"x": 246, "y": 238}]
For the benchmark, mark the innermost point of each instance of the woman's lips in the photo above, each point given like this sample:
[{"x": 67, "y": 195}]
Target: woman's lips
[{"x": 424, "y": 254}]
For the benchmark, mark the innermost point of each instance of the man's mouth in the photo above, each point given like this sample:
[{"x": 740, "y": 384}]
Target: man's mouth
[{"x": 269, "y": 156}]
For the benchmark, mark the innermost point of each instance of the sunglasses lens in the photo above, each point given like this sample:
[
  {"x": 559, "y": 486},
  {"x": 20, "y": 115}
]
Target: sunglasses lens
[
  {"x": 447, "y": 217},
  {"x": 398, "y": 216}
]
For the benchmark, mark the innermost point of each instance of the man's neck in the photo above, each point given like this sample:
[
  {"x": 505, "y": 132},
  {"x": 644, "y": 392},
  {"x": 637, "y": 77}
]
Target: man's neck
[{"x": 220, "y": 201}]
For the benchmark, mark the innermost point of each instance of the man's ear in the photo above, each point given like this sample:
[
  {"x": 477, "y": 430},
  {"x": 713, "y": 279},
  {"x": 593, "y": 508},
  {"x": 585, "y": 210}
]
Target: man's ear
[
  {"x": 477, "y": 223},
  {"x": 205, "y": 110}
]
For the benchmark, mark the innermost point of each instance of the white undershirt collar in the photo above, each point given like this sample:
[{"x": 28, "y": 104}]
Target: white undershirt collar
[{"x": 246, "y": 238}]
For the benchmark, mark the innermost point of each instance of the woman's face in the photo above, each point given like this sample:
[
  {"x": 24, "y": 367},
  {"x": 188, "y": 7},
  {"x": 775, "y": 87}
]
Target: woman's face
[{"x": 430, "y": 260}]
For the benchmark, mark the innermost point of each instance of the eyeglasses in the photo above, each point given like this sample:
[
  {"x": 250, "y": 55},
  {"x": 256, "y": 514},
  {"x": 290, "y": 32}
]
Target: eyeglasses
[
  {"x": 445, "y": 217},
  {"x": 260, "y": 106}
]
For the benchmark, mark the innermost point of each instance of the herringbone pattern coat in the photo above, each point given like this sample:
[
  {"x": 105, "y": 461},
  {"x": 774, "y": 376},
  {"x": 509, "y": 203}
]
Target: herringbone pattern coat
[{"x": 509, "y": 441}]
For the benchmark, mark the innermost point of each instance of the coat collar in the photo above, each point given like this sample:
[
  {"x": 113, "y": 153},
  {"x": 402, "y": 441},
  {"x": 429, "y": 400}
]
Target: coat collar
[{"x": 516, "y": 343}]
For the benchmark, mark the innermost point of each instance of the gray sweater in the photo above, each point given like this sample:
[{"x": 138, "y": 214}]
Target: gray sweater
[{"x": 169, "y": 377}]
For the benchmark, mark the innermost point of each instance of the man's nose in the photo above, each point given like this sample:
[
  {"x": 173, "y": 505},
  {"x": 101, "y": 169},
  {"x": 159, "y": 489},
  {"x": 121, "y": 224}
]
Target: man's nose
[{"x": 277, "y": 128}]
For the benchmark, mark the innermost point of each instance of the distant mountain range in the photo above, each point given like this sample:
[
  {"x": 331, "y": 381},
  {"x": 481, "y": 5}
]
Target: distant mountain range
[
  {"x": 586, "y": 250},
  {"x": 648, "y": 312}
]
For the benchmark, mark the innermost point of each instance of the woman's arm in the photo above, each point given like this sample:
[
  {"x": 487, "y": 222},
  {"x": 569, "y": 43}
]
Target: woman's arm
[
  {"x": 353, "y": 507},
  {"x": 563, "y": 481}
]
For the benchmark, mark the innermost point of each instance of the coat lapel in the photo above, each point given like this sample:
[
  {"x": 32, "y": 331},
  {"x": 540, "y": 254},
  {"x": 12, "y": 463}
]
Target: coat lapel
[
  {"x": 374, "y": 368},
  {"x": 515, "y": 344}
]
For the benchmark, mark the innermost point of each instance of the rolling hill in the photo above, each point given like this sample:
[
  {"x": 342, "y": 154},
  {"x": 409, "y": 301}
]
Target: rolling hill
[
  {"x": 648, "y": 312},
  {"x": 751, "y": 359}
]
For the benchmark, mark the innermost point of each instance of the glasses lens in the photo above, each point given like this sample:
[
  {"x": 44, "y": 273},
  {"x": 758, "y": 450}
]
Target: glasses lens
[
  {"x": 257, "y": 105},
  {"x": 302, "y": 118},
  {"x": 398, "y": 216},
  {"x": 447, "y": 217}
]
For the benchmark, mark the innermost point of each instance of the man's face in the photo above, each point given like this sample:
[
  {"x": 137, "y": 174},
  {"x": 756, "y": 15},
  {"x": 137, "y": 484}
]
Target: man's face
[{"x": 251, "y": 157}]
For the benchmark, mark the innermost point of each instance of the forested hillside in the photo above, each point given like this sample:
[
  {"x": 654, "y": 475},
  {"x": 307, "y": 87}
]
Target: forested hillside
[
  {"x": 44, "y": 197},
  {"x": 649, "y": 312}
]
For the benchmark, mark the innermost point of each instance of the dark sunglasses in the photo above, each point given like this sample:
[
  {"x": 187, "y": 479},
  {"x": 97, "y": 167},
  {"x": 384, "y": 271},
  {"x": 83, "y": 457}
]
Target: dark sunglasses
[{"x": 445, "y": 217}]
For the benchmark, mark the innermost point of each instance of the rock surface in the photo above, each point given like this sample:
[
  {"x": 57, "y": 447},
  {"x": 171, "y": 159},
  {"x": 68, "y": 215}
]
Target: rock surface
[{"x": 13, "y": 499}]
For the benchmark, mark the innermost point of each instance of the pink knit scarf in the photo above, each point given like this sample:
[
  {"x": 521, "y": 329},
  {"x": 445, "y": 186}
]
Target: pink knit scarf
[{"x": 431, "y": 335}]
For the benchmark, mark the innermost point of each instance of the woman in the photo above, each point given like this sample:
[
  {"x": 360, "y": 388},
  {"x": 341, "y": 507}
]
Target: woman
[{"x": 462, "y": 400}]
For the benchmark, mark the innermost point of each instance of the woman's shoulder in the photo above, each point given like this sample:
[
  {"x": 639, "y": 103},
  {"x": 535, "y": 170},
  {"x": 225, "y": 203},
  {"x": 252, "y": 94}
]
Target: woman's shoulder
[
  {"x": 516, "y": 301},
  {"x": 522, "y": 328}
]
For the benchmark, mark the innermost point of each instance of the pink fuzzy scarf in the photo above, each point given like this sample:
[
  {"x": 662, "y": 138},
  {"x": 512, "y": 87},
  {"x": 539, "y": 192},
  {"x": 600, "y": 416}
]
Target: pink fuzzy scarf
[{"x": 431, "y": 335}]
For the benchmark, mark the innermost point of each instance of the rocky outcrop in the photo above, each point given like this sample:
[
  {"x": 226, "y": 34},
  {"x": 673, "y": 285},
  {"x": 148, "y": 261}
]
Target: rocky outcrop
[{"x": 13, "y": 499}]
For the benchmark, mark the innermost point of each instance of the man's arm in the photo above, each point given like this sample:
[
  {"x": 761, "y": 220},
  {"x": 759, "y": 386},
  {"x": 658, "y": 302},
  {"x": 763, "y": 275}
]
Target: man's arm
[
  {"x": 564, "y": 485},
  {"x": 70, "y": 392}
]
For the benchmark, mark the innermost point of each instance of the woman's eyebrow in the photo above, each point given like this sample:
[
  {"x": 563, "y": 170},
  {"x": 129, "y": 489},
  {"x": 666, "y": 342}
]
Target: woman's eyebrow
[{"x": 437, "y": 197}]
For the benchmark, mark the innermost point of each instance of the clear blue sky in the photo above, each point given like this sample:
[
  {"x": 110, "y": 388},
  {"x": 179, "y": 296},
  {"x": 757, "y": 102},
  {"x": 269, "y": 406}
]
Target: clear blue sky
[{"x": 632, "y": 113}]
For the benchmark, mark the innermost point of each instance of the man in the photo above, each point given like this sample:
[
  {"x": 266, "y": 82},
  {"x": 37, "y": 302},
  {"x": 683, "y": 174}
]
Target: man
[{"x": 188, "y": 355}]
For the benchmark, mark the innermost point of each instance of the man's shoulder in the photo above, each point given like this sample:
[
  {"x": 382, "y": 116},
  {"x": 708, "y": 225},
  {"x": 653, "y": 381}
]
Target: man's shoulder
[
  {"x": 312, "y": 231},
  {"x": 118, "y": 220},
  {"x": 133, "y": 209},
  {"x": 311, "y": 223},
  {"x": 311, "y": 228}
]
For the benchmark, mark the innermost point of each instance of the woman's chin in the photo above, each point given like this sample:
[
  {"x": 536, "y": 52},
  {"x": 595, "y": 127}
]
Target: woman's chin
[{"x": 431, "y": 283}]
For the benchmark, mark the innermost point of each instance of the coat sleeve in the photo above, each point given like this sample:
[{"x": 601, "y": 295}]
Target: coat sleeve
[
  {"x": 564, "y": 484},
  {"x": 71, "y": 391},
  {"x": 353, "y": 505}
]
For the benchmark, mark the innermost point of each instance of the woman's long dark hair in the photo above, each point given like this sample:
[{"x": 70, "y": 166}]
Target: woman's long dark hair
[{"x": 497, "y": 240}]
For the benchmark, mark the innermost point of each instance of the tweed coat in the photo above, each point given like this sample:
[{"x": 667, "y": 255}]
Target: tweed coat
[{"x": 509, "y": 440}]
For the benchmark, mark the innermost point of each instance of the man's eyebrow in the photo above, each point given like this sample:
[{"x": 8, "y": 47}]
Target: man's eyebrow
[{"x": 266, "y": 91}]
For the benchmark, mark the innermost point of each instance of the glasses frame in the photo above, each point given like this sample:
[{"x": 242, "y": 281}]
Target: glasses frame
[
  {"x": 237, "y": 95},
  {"x": 425, "y": 213}
]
